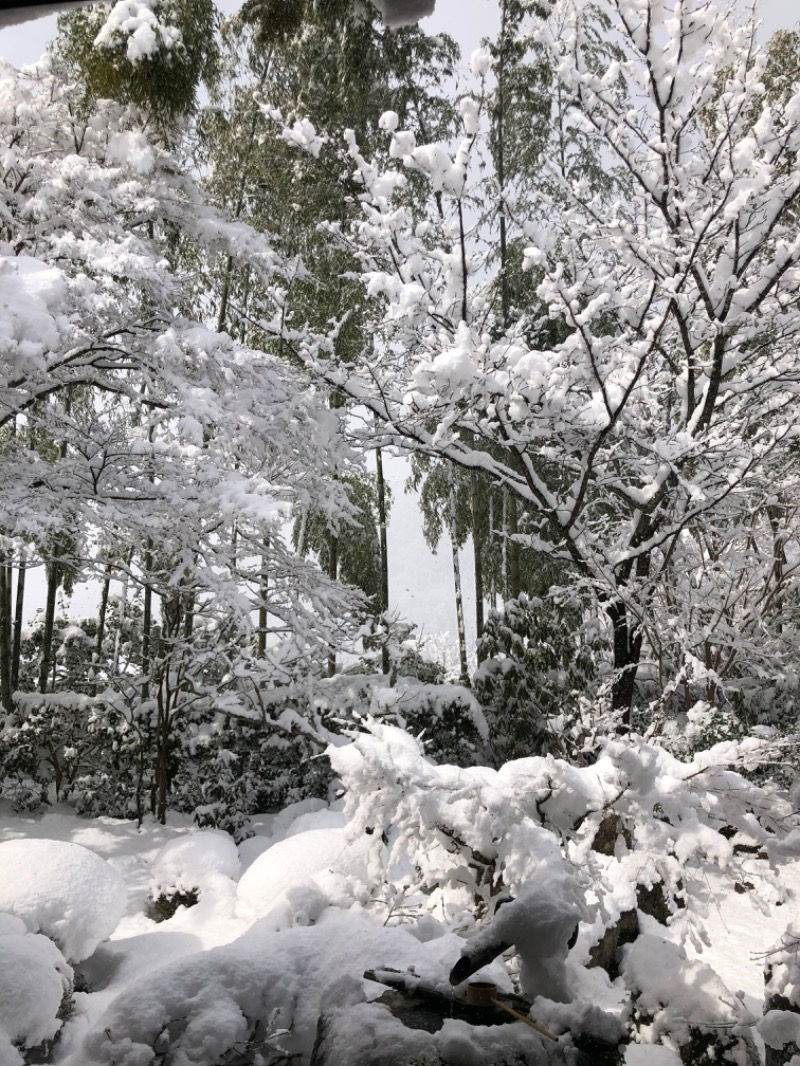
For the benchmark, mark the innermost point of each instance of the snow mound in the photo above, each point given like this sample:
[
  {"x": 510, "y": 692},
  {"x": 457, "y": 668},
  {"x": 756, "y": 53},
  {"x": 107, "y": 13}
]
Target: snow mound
[
  {"x": 34, "y": 978},
  {"x": 274, "y": 984},
  {"x": 9, "y": 924},
  {"x": 62, "y": 890},
  {"x": 190, "y": 861},
  {"x": 294, "y": 860}
]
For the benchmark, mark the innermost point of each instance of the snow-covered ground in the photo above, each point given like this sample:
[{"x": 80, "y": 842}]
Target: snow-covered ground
[{"x": 252, "y": 927}]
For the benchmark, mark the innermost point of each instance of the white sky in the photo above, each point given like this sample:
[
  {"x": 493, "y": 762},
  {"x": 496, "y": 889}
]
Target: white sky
[{"x": 466, "y": 20}]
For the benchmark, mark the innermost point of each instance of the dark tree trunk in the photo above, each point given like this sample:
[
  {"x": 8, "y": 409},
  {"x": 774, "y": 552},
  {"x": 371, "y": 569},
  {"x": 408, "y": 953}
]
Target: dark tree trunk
[
  {"x": 384, "y": 552},
  {"x": 19, "y": 609},
  {"x": 462, "y": 638},
  {"x": 5, "y": 638},
  {"x": 513, "y": 550},
  {"x": 477, "y": 552},
  {"x": 101, "y": 617},
  {"x": 162, "y": 749},
  {"x": 333, "y": 572},
  {"x": 627, "y": 653},
  {"x": 262, "y": 609},
  {"x": 53, "y": 584}
]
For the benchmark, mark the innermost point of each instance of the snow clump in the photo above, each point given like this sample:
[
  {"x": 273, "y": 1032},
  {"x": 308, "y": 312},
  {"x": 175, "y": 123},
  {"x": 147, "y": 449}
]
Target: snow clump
[
  {"x": 134, "y": 24},
  {"x": 62, "y": 890},
  {"x": 275, "y": 985}
]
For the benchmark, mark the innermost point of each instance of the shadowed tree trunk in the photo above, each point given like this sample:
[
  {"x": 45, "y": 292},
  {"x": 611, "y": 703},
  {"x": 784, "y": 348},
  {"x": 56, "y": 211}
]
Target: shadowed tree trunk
[
  {"x": 384, "y": 550},
  {"x": 19, "y": 609}
]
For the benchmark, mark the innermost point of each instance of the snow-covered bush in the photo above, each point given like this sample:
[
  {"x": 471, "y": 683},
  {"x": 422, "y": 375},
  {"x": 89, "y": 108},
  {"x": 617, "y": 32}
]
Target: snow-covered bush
[
  {"x": 684, "y": 1005},
  {"x": 447, "y": 718},
  {"x": 61, "y": 740},
  {"x": 311, "y": 855},
  {"x": 630, "y": 837},
  {"x": 780, "y": 1027},
  {"x": 35, "y": 992},
  {"x": 188, "y": 867},
  {"x": 62, "y": 890}
]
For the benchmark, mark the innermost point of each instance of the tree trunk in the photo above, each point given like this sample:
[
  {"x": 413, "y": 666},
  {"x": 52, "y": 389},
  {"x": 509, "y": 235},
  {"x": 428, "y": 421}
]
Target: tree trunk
[
  {"x": 101, "y": 617},
  {"x": 147, "y": 619},
  {"x": 262, "y": 610},
  {"x": 462, "y": 639},
  {"x": 384, "y": 550},
  {"x": 627, "y": 653},
  {"x": 333, "y": 572},
  {"x": 53, "y": 584},
  {"x": 19, "y": 609},
  {"x": 477, "y": 552},
  {"x": 188, "y": 615},
  {"x": 493, "y": 561},
  {"x": 162, "y": 749},
  {"x": 5, "y": 638},
  {"x": 513, "y": 550}
]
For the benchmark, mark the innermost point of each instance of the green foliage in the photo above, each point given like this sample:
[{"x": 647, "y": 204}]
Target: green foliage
[
  {"x": 354, "y": 551},
  {"x": 540, "y": 662},
  {"x": 163, "y": 84},
  {"x": 165, "y": 906},
  {"x": 521, "y": 104},
  {"x": 479, "y": 511}
]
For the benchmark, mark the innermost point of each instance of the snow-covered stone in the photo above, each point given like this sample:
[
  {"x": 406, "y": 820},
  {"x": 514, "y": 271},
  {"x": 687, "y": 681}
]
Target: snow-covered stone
[
  {"x": 278, "y": 982},
  {"x": 62, "y": 890}
]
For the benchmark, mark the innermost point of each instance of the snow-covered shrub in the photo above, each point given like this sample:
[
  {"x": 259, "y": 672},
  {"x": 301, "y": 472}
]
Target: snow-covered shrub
[
  {"x": 684, "y": 1005},
  {"x": 780, "y": 1027},
  {"x": 304, "y": 856},
  {"x": 539, "y": 669},
  {"x": 368, "y": 1034},
  {"x": 87, "y": 750},
  {"x": 632, "y": 835},
  {"x": 447, "y": 718},
  {"x": 62, "y": 890},
  {"x": 35, "y": 992},
  {"x": 240, "y": 765},
  {"x": 189, "y": 866}
]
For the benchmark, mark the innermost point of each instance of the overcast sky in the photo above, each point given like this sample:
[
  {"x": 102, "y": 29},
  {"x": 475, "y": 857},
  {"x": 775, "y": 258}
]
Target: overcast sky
[{"x": 467, "y": 20}]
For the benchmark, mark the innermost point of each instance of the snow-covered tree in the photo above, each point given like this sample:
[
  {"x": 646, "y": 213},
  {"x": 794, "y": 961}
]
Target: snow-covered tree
[
  {"x": 140, "y": 444},
  {"x": 652, "y": 409}
]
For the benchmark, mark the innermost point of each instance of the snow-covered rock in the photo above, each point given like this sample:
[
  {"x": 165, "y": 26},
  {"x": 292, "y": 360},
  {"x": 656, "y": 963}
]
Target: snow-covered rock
[{"x": 62, "y": 890}]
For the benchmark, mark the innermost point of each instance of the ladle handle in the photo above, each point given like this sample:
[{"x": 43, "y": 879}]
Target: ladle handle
[{"x": 522, "y": 1018}]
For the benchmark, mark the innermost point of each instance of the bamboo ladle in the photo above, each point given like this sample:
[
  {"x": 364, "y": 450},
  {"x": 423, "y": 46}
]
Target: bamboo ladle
[{"x": 484, "y": 994}]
